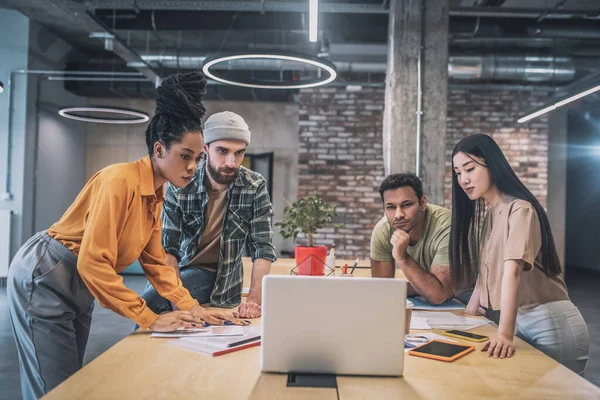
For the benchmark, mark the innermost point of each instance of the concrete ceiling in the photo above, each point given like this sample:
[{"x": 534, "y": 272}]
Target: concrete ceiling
[{"x": 356, "y": 32}]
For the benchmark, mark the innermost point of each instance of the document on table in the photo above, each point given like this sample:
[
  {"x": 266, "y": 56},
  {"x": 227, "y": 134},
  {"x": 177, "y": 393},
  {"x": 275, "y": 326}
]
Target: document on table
[
  {"x": 446, "y": 320},
  {"x": 212, "y": 345},
  {"x": 211, "y": 331},
  {"x": 419, "y": 323}
]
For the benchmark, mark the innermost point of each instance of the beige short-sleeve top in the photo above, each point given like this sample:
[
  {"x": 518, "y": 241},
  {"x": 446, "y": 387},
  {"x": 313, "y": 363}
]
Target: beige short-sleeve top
[{"x": 511, "y": 231}]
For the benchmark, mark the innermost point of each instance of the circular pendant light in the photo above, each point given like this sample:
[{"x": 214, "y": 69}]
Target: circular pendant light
[
  {"x": 327, "y": 69},
  {"x": 138, "y": 117}
]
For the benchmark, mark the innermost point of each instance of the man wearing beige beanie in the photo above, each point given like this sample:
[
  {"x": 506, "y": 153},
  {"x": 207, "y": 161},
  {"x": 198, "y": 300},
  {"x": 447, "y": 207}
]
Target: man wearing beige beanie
[{"x": 208, "y": 224}]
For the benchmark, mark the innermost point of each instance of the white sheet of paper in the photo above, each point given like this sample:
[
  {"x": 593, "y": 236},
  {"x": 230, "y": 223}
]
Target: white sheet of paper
[
  {"x": 419, "y": 323},
  {"x": 433, "y": 314},
  {"x": 209, "y": 345},
  {"x": 447, "y": 320},
  {"x": 211, "y": 331}
]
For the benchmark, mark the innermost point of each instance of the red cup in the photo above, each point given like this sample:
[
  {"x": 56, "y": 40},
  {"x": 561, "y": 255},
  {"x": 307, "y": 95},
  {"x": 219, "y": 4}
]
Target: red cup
[{"x": 307, "y": 265}]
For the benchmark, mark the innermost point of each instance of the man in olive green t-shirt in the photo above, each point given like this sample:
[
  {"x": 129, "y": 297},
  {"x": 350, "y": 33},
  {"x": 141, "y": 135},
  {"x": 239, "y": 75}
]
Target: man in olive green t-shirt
[{"x": 415, "y": 235}]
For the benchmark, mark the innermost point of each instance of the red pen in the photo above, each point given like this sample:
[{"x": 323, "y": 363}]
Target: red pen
[{"x": 232, "y": 349}]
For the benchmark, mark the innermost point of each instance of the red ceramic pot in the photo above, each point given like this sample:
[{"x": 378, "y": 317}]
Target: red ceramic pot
[{"x": 313, "y": 266}]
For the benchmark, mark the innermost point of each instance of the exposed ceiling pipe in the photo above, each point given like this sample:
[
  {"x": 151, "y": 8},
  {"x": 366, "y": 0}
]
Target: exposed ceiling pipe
[
  {"x": 194, "y": 20},
  {"x": 464, "y": 68},
  {"x": 511, "y": 68},
  {"x": 550, "y": 31},
  {"x": 491, "y": 3},
  {"x": 241, "y": 6},
  {"x": 522, "y": 42},
  {"x": 117, "y": 46},
  {"x": 502, "y": 12},
  {"x": 301, "y": 6}
]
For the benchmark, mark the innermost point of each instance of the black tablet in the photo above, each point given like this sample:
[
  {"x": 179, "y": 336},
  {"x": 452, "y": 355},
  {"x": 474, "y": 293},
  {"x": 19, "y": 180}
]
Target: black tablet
[{"x": 441, "y": 350}]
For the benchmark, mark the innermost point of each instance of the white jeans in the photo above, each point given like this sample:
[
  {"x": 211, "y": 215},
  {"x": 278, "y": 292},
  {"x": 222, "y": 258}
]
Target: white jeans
[{"x": 558, "y": 330}]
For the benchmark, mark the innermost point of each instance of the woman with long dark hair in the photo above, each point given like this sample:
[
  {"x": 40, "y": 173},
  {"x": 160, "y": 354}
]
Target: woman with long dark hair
[{"x": 501, "y": 240}]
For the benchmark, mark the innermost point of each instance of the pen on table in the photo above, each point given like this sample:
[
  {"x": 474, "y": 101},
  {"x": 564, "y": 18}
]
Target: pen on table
[
  {"x": 244, "y": 322},
  {"x": 252, "y": 339},
  {"x": 354, "y": 267}
]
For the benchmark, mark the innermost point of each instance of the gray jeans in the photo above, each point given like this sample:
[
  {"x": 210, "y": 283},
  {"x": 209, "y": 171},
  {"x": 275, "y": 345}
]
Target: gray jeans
[
  {"x": 558, "y": 330},
  {"x": 50, "y": 312}
]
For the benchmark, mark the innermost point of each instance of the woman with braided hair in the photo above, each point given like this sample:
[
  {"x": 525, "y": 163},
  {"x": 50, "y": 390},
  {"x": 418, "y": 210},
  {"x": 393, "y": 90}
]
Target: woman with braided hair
[{"x": 55, "y": 277}]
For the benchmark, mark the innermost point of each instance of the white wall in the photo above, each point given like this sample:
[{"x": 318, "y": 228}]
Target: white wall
[
  {"x": 110, "y": 144},
  {"x": 14, "y": 38},
  {"x": 60, "y": 168},
  {"x": 274, "y": 127},
  {"x": 47, "y": 152},
  {"x": 58, "y": 174}
]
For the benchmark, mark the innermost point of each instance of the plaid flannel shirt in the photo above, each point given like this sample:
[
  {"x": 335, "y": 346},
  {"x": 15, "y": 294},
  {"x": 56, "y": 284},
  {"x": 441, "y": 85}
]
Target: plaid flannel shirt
[{"x": 247, "y": 221}]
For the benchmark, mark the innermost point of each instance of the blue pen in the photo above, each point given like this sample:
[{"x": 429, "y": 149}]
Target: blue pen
[
  {"x": 231, "y": 323},
  {"x": 354, "y": 267}
]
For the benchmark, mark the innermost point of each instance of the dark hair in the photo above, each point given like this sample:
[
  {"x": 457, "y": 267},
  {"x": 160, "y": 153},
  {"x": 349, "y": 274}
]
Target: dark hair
[
  {"x": 395, "y": 181},
  {"x": 467, "y": 215},
  {"x": 179, "y": 109}
]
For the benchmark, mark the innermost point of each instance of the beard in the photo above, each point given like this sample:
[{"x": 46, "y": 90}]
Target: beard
[{"x": 217, "y": 174}]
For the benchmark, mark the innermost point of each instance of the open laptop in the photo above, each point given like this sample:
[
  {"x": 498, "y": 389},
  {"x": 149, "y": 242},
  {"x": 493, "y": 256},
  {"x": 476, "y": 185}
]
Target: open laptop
[{"x": 344, "y": 326}]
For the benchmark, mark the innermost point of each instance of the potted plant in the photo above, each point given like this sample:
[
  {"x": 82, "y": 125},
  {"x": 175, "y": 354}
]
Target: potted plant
[{"x": 307, "y": 215}]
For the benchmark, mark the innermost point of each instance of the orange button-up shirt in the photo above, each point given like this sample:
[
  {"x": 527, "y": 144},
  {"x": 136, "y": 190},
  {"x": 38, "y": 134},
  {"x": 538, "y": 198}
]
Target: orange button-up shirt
[{"x": 115, "y": 220}]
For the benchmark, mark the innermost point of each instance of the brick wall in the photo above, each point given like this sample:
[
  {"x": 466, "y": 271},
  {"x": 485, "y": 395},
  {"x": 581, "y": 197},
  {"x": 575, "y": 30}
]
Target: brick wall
[
  {"x": 495, "y": 113},
  {"x": 341, "y": 157},
  {"x": 341, "y": 153}
]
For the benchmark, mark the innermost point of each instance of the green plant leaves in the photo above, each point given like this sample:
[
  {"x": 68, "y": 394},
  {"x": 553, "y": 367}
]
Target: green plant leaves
[{"x": 306, "y": 215}]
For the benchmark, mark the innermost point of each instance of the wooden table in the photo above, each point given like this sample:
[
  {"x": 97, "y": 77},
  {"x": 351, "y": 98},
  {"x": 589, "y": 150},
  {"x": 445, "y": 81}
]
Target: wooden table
[{"x": 141, "y": 367}]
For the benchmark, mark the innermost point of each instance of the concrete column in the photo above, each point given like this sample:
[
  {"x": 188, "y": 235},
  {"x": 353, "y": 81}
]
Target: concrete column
[
  {"x": 418, "y": 30},
  {"x": 557, "y": 185}
]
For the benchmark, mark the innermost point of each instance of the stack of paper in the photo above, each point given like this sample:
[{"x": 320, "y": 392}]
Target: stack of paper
[
  {"x": 446, "y": 320},
  {"x": 211, "y": 331},
  {"x": 217, "y": 345}
]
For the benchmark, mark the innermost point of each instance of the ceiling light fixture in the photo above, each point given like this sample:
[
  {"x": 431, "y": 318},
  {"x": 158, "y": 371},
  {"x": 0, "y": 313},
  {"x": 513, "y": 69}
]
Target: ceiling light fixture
[
  {"x": 70, "y": 113},
  {"x": 560, "y": 103},
  {"x": 323, "y": 79},
  {"x": 313, "y": 20}
]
